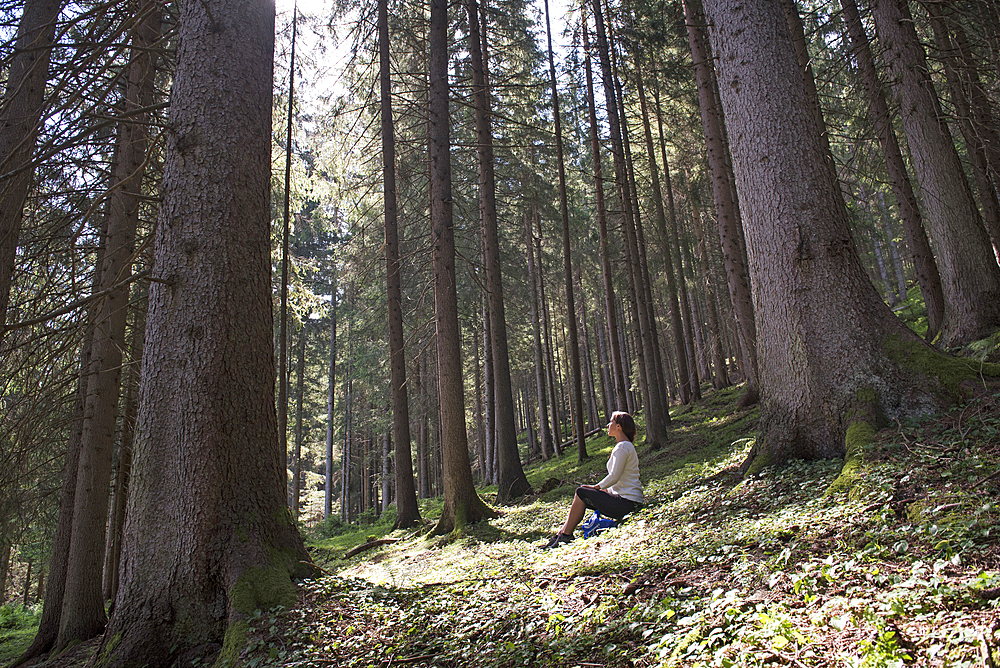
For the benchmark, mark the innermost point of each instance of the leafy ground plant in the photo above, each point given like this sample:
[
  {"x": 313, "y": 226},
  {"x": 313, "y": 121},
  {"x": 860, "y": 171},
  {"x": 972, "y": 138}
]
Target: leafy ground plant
[{"x": 900, "y": 569}]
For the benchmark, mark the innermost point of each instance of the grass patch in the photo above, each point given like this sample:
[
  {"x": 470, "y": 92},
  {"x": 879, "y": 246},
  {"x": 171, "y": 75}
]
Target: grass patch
[{"x": 18, "y": 625}]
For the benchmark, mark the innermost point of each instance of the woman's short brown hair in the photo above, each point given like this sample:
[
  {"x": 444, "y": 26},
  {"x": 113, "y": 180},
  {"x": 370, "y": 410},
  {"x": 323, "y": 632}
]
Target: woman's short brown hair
[{"x": 625, "y": 421}]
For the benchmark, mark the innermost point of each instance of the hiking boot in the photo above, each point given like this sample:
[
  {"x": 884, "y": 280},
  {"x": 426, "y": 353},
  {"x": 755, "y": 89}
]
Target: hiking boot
[{"x": 557, "y": 540}]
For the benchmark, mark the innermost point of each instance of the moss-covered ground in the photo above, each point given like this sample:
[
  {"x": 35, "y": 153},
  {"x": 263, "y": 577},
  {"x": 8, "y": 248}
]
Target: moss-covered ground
[{"x": 902, "y": 569}]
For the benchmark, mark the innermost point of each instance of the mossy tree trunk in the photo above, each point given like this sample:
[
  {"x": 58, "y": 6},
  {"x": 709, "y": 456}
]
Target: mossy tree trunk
[
  {"x": 823, "y": 331},
  {"x": 209, "y": 537}
]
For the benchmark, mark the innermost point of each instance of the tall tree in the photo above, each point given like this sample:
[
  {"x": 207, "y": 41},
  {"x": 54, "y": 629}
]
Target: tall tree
[
  {"x": 511, "y": 481},
  {"x": 209, "y": 537},
  {"x": 462, "y": 504},
  {"x": 970, "y": 276},
  {"x": 576, "y": 396},
  {"x": 83, "y": 614},
  {"x": 20, "y": 118},
  {"x": 734, "y": 251},
  {"x": 610, "y": 300},
  {"x": 909, "y": 212},
  {"x": 407, "y": 511},
  {"x": 822, "y": 369}
]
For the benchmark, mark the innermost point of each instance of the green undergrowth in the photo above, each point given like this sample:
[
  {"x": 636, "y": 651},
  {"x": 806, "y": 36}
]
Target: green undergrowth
[
  {"x": 18, "y": 625},
  {"x": 776, "y": 569}
]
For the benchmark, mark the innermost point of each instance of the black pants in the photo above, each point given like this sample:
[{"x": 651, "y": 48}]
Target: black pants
[{"x": 607, "y": 504}]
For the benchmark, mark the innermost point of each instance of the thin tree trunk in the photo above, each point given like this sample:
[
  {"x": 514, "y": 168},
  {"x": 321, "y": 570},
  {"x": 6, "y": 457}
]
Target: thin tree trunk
[
  {"x": 480, "y": 424},
  {"x": 407, "y": 511},
  {"x": 637, "y": 273},
  {"x": 112, "y": 568},
  {"x": 83, "y": 613},
  {"x": 721, "y": 377},
  {"x": 512, "y": 483},
  {"x": 299, "y": 395},
  {"x": 970, "y": 276},
  {"x": 576, "y": 395},
  {"x": 20, "y": 119},
  {"x": 617, "y": 370},
  {"x": 974, "y": 142},
  {"x": 285, "y": 259},
  {"x": 330, "y": 399},
  {"x": 730, "y": 227},
  {"x": 661, "y": 227},
  {"x": 540, "y": 389},
  {"x": 489, "y": 394}
]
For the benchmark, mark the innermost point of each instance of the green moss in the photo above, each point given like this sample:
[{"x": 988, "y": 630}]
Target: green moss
[
  {"x": 950, "y": 372},
  {"x": 232, "y": 644},
  {"x": 860, "y": 435},
  {"x": 105, "y": 656},
  {"x": 867, "y": 395},
  {"x": 264, "y": 587},
  {"x": 760, "y": 462}
]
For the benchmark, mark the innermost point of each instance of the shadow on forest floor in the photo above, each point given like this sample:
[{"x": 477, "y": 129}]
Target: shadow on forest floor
[{"x": 716, "y": 570}]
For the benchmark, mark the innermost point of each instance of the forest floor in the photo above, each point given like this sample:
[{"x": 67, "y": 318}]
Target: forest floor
[
  {"x": 902, "y": 570},
  {"x": 775, "y": 570}
]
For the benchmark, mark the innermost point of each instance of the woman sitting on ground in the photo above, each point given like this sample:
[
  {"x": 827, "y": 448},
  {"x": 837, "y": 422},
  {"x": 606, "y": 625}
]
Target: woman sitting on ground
[{"x": 619, "y": 493}]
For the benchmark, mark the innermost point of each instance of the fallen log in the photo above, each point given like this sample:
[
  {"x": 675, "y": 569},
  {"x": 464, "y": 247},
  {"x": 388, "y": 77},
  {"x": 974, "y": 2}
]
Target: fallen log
[{"x": 367, "y": 546}]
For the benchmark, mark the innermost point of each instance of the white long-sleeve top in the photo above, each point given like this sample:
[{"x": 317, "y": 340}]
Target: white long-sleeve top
[{"x": 623, "y": 473}]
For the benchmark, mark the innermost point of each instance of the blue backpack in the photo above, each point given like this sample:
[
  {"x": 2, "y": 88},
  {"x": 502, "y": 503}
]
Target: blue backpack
[{"x": 595, "y": 524}]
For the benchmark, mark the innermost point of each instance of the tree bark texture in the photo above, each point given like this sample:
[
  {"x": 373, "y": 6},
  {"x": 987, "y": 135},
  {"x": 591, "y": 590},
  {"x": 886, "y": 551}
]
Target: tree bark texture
[
  {"x": 462, "y": 504},
  {"x": 970, "y": 276},
  {"x": 209, "y": 538},
  {"x": 823, "y": 327}
]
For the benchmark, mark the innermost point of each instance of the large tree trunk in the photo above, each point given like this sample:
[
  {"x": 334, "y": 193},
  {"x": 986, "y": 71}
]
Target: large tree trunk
[
  {"x": 462, "y": 505},
  {"x": 970, "y": 276},
  {"x": 83, "y": 614},
  {"x": 20, "y": 119},
  {"x": 909, "y": 212},
  {"x": 823, "y": 329},
  {"x": 511, "y": 483},
  {"x": 407, "y": 511},
  {"x": 730, "y": 225},
  {"x": 209, "y": 538}
]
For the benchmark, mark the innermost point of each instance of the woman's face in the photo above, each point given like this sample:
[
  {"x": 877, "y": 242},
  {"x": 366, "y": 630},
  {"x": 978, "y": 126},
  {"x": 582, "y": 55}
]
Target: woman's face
[{"x": 613, "y": 428}]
